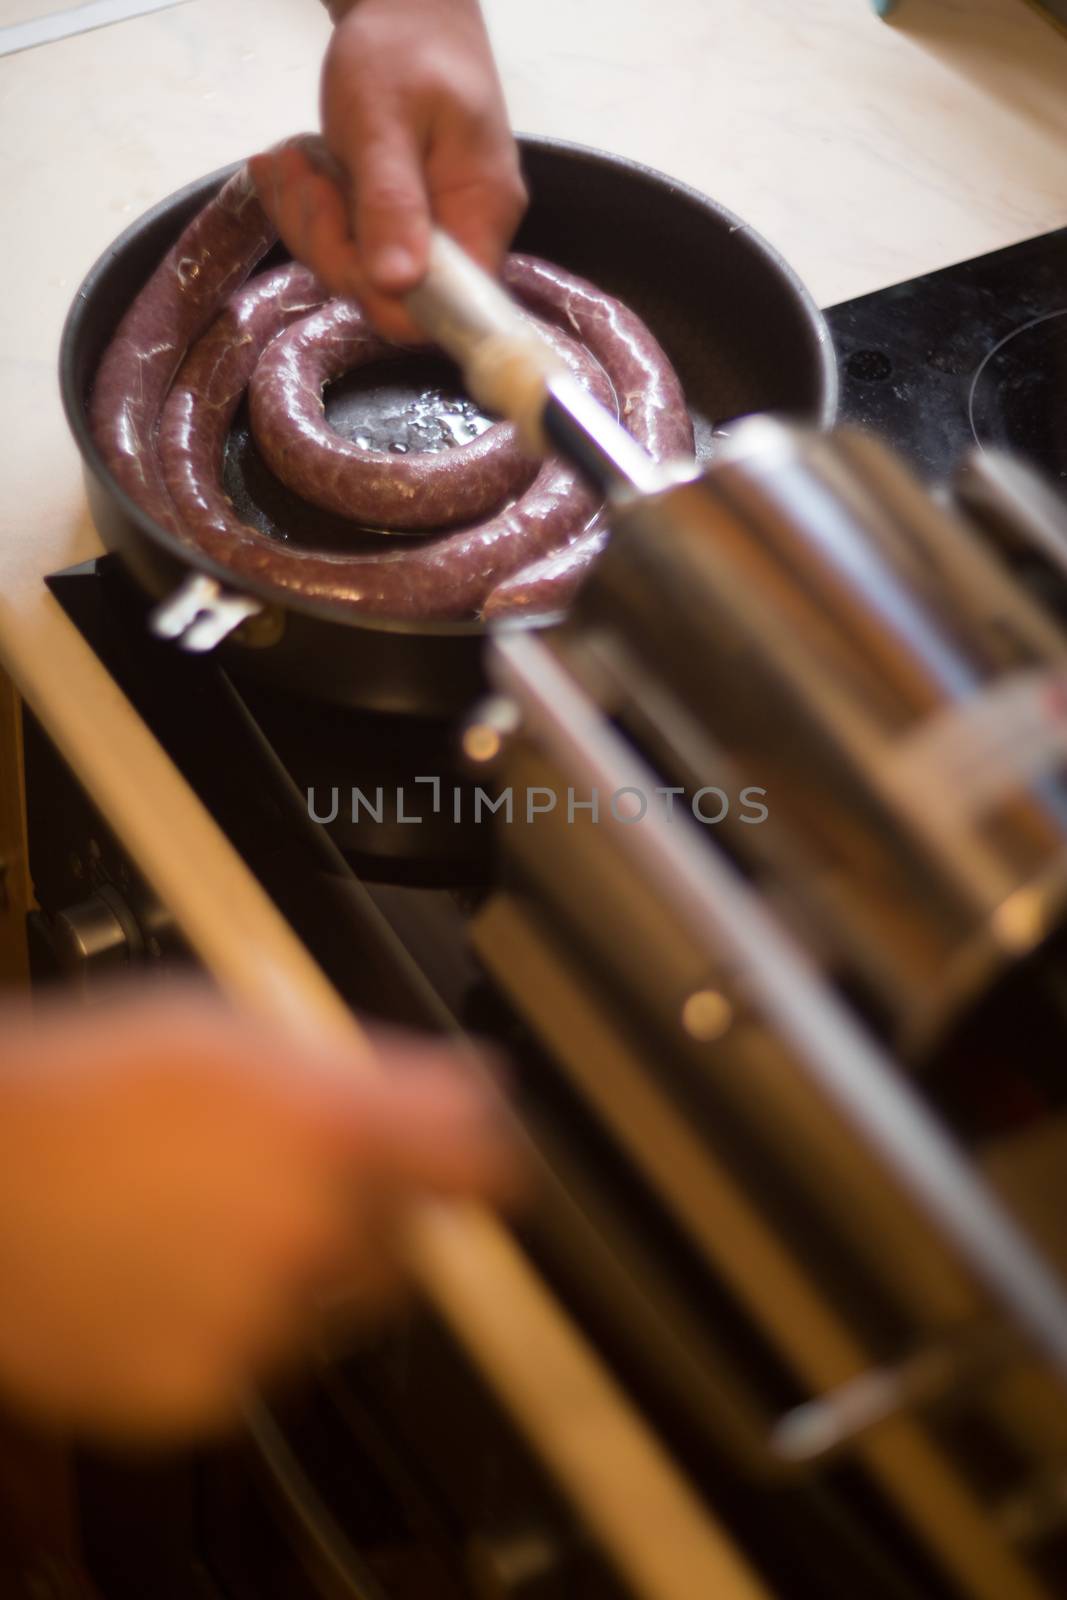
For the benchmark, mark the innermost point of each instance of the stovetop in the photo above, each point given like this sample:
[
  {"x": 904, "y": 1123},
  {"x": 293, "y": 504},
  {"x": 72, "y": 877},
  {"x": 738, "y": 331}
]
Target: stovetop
[
  {"x": 972, "y": 354},
  {"x": 396, "y": 894}
]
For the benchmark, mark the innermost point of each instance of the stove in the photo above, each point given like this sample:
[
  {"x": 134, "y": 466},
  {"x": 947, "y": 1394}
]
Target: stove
[
  {"x": 361, "y": 829},
  {"x": 973, "y": 354}
]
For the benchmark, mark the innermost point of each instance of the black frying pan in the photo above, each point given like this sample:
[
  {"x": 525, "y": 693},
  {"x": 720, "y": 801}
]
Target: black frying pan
[{"x": 739, "y": 326}]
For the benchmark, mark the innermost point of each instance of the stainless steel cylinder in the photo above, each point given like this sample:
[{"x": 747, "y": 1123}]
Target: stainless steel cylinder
[{"x": 842, "y": 641}]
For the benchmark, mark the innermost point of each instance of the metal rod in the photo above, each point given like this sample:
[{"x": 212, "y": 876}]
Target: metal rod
[
  {"x": 509, "y": 368},
  {"x": 591, "y": 437}
]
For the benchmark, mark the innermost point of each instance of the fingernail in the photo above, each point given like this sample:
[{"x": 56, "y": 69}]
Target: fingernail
[{"x": 393, "y": 267}]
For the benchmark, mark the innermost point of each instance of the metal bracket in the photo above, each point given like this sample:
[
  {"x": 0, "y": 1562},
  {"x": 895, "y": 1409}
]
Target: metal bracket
[
  {"x": 201, "y": 614},
  {"x": 937, "y": 1373}
]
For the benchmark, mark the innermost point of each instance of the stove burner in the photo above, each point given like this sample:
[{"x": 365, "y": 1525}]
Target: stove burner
[{"x": 1018, "y": 398}]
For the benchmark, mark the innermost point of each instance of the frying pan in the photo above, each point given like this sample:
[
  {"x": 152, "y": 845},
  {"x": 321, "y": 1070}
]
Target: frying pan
[{"x": 739, "y": 326}]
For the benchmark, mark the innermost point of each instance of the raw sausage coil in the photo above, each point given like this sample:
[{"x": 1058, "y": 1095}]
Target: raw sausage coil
[
  {"x": 502, "y": 534},
  {"x": 426, "y": 490}
]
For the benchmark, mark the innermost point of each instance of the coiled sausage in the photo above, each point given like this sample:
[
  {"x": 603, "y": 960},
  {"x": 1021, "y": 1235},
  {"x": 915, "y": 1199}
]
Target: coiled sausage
[{"x": 502, "y": 535}]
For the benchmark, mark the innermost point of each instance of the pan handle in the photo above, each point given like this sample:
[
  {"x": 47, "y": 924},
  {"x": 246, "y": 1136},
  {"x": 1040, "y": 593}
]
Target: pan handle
[{"x": 200, "y": 614}]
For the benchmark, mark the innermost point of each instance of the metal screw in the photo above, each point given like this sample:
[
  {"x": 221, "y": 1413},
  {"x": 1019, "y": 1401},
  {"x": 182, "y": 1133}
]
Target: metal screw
[
  {"x": 706, "y": 1015},
  {"x": 481, "y": 743},
  {"x": 484, "y": 738}
]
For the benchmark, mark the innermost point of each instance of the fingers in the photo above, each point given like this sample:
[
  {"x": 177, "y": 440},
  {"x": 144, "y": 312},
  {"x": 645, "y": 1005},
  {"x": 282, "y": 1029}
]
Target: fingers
[
  {"x": 327, "y": 247},
  {"x": 372, "y": 243},
  {"x": 309, "y": 212},
  {"x": 277, "y": 174},
  {"x": 435, "y": 1129},
  {"x": 477, "y": 192},
  {"x": 471, "y": 191},
  {"x": 195, "y": 1180},
  {"x": 425, "y": 1119},
  {"x": 477, "y": 197},
  {"x": 421, "y": 1117},
  {"x": 391, "y": 224},
  {"x": 320, "y": 226},
  {"x": 428, "y": 1124},
  {"x": 391, "y": 210}
]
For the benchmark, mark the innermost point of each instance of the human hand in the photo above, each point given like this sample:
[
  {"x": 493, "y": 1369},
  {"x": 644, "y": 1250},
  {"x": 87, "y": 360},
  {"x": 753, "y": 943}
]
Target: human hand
[
  {"x": 179, "y": 1186},
  {"x": 413, "y": 112}
]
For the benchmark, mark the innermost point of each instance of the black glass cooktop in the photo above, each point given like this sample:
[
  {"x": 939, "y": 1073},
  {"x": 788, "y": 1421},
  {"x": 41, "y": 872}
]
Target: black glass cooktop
[{"x": 973, "y": 354}]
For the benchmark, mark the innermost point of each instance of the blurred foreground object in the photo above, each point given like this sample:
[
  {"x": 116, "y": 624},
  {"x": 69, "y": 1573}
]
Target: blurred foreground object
[{"x": 180, "y": 1187}]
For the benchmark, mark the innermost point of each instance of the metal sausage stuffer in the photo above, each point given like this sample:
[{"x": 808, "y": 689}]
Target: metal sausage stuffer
[{"x": 776, "y": 1006}]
